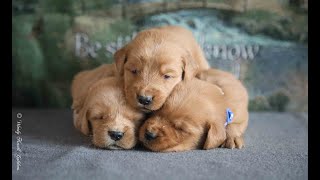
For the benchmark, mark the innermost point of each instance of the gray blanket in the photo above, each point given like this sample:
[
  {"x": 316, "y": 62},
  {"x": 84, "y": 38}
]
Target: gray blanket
[{"x": 46, "y": 146}]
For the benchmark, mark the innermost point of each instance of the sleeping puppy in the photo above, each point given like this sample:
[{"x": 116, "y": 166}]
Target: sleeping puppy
[
  {"x": 238, "y": 96},
  {"x": 114, "y": 124},
  {"x": 194, "y": 116},
  {"x": 83, "y": 81},
  {"x": 155, "y": 61}
]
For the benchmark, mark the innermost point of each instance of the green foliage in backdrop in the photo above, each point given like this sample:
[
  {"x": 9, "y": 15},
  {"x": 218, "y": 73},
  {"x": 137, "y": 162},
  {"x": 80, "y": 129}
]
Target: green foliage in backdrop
[
  {"x": 29, "y": 70},
  {"x": 42, "y": 67}
]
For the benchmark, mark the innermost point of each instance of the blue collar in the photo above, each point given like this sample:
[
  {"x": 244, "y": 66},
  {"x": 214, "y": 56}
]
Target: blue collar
[{"x": 229, "y": 117}]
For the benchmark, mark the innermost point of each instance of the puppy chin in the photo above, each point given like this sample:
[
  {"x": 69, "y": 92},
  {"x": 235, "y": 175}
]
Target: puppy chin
[
  {"x": 148, "y": 145},
  {"x": 154, "y": 146},
  {"x": 145, "y": 109},
  {"x": 108, "y": 144},
  {"x": 149, "y": 108},
  {"x": 114, "y": 147}
]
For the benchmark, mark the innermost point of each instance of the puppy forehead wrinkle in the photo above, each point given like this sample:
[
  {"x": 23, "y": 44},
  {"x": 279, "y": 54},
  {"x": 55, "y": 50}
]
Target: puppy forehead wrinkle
[
  {"x": 169, "y": 68},
  {"x": 137, "y": 59},
  {"x": 152, "y": 72},
  {"x": 110, "y": 101},
  {"x": 146, "y": 46}
]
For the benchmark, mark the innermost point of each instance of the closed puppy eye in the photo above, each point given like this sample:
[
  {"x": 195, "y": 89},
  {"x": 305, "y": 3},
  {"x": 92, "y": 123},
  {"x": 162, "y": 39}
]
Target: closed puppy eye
[
  {"x": 134, "y": 71},
  {"x": 166, "y": 76},
  {"x": 182, "y": 127},
  {"x": 98, "y": 117}
]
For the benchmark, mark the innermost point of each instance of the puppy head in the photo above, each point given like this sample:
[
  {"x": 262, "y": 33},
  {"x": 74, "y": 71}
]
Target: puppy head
[
  {"x": 161, "y": 134},
  {"x": 114, "y": 124},
  {"x": 164, "y": 135},
  {"x": 192, "y": 117},
  {"x": 151, "y": 70}
]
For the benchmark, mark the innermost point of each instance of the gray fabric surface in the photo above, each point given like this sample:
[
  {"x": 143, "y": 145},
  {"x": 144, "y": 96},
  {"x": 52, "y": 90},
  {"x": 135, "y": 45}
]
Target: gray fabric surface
[{"x": 276, "y": 148}]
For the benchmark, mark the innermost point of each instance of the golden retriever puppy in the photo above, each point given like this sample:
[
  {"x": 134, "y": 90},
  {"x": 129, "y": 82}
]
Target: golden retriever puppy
[
  {"x": 237, "y": 94},
  {"x": 83, "y": 81},
  {"x": 195, "y": 114},
  {"x": 114, "y": 124},
  {"x": 192, "y": 117},
  {"x": 155, "y": 61}
]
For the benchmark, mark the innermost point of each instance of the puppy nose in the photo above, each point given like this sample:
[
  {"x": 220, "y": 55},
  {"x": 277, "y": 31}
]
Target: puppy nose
[
  {"x": 115, "y": 135},
  {"x": 149, "y": 136},
  {"x": 145, "y": 100}
]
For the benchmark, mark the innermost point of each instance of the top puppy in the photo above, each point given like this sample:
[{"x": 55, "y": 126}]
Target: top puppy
[{"x": 155, "y": 61}]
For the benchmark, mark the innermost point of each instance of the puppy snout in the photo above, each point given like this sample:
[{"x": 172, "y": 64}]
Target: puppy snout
[
  {"x": 150, "y": 136},
  {"x": 145, "y": 100},
  {"x": 115, "y": 135}
]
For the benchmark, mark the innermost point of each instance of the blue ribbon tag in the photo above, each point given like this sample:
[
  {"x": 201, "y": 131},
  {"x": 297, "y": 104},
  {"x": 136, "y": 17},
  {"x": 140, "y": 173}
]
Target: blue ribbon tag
[{"x": 229, "y": 117}]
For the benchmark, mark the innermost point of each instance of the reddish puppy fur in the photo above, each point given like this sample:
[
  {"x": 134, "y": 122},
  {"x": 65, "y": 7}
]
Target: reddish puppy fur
[
  {"x": 155, "y": 61},
  {"x": 237, "y": 95},
  {"x": 194, "y": 115},
  {"x": 106, "y": 110},
  {"x": 81, "y": 84},
  {"x": 191, "y": 118}
]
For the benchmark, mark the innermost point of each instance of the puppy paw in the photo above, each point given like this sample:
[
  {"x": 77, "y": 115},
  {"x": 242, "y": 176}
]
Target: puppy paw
[{"x": 233, "y": 142}]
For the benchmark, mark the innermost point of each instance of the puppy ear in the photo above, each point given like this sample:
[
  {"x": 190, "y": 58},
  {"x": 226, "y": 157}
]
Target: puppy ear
[
  {"x": 183, "y": 126},
  {"x": 190, "y": 67},
  {"x": 120, "y": 58},
  {"x": 81, "y": 121},
  {"x": 215, "y": 137},
  {"x": 78, "y": 103},
  {"x": 202, "y": 75}
]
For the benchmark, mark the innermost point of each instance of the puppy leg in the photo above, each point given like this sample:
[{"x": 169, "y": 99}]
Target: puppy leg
[
  {"x": 234, "y": 136},
  {"x": 215, "y": 137},
  {"x": 236, "y": 129}
]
